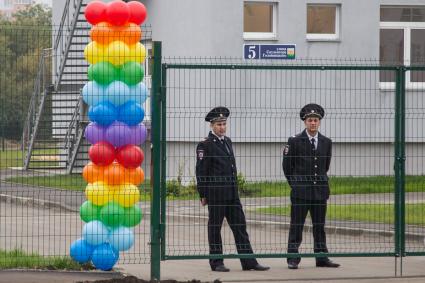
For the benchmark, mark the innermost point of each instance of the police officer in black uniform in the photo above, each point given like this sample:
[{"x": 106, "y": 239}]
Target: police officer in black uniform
[
  {"x": 217, "y": 186},
  {"x": 306, "y": 160}
]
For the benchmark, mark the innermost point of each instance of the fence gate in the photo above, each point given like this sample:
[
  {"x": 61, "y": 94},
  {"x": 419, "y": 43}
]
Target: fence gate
[{"x": 366, "y": 213}]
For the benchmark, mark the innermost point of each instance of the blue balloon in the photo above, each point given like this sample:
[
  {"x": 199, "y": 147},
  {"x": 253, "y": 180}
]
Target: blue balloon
[
  {"x": 103, "y": 114},
  {"x": 104, "y": 257},
  {"x": 131, "y": 113},
  {"x": 138, "y": 93},
  {"x": 94, "y": 93},
  {"x": 81, "y": 251},
  {"x": 95, "y": 233},
  {"x": 118, "y": 92},
  {"x": 121, "y": 238}
]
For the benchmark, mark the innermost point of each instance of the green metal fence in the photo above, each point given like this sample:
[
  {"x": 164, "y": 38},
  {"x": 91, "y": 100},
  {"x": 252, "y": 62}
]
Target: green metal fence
[{"x": 377, "y": 203}]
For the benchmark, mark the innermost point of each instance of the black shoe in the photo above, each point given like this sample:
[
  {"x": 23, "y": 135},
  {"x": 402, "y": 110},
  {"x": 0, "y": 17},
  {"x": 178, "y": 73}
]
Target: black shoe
[
  {"x": 292, "y": 265},
  {"x": 220, "y": 268},
  {"x": 327, "y": 263},
  {"x": 257, "y": 267}
]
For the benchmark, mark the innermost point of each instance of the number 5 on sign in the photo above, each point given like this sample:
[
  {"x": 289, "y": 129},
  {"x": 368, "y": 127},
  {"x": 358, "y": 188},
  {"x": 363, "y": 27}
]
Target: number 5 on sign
[{"x": 251, "y": 51}]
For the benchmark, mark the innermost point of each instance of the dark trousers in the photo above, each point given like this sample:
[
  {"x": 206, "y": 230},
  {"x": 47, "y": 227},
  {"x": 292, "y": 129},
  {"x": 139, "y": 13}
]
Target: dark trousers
[
  {"x": 235, "y": 216},
  {"x": 299, "y": 210}
]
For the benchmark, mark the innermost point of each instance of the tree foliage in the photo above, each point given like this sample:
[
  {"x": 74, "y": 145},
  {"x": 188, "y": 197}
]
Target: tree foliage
[{"x": 22, "y": 39}]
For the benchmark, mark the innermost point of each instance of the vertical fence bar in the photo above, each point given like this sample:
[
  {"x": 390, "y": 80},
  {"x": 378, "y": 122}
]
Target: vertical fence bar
[
  {"x": 163, "y": 156},
  {"x": 156, "y": 156},
  {"x": 399, "y": 168}
]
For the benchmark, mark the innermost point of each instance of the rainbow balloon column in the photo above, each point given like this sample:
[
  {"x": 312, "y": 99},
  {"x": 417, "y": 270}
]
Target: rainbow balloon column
[{"x": 115, "y": 94}]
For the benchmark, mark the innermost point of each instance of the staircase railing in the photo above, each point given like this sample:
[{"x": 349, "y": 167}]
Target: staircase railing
[
  {"x": 74, "y": 134},
  {"x": 63, "y": 39},
  {"x": 36, "y": 105}
]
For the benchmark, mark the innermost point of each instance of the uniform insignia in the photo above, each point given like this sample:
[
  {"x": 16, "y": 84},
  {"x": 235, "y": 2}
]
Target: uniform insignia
[
  {"x": 286, "y": 150},
  {"x": 200, "y": 154}
]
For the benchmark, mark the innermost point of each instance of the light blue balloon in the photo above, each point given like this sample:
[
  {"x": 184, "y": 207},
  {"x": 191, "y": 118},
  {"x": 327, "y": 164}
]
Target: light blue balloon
[
  {"x": 95, "y": 233},
  {"x": 81, "y": 251},
  {"x": 131, "y": 113},
  {"x": 138, "y": 93},
  {"x": 94, "y": 93},
  {"x": 118, "y": 92},
  {"x": 104, "y": 257},
  {"x": 103, "y": 113},
  {"x": 121, "y": 238}
]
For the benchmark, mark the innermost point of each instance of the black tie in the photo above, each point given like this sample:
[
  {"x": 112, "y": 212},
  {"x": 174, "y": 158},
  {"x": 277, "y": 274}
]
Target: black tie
[
  {"x": 225, "y": 145},
  {"x": 313, "y": 147}
]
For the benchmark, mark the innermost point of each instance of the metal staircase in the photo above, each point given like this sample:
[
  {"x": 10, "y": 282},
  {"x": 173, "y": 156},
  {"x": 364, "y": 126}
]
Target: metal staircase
[
  {"x": 53, "y": 135},
  {"x": 54, "y": 101}
]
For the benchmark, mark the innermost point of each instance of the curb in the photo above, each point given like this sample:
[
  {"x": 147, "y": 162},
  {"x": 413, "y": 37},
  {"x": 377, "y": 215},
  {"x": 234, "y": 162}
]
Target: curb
[
  {"x": 36, "y": 203},
  {"x": 340, "y": 230}
]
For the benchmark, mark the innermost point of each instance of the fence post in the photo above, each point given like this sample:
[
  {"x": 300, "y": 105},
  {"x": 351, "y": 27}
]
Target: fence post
[
  {"x": 399, "y": 167},
  {"x": 156, "y": 157},
  {"x": 163, "y": 157}
]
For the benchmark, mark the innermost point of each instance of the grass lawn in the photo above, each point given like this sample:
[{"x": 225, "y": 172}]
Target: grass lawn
[
  {"x": 376, "y": 213},
  {"x": 73, "y": 182},
  {"x": 13, "y": 158},
  {"x": 19, "y": 259},
  {"x": 344, "y": 185},
  {"x": 339, "y": 185}
]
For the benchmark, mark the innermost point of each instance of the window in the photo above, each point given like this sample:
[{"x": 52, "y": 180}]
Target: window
[
  {"x": 402, "y": 42},
  {"x": 259, "y": 20},
  {"x": 323, "y": 22}
]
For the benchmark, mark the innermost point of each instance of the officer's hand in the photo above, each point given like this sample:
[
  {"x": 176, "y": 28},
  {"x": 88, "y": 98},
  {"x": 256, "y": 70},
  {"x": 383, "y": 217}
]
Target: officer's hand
[{"x": 204, "y": 201}]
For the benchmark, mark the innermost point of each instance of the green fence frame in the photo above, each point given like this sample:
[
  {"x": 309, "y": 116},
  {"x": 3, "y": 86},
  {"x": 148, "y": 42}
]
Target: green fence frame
[{"x": 158, "y": 217}]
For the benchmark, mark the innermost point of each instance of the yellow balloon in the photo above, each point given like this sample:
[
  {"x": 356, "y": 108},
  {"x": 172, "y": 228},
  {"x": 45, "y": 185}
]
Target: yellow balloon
[
  {"x": 114, "y": 188},
  {"x": 98, "y": 193},
  {"x": 117, "y": 53},
  {"x": 137, "y": 53},
  {"x": 94, "y": 52},
  {"x": 127, "y": 195}
]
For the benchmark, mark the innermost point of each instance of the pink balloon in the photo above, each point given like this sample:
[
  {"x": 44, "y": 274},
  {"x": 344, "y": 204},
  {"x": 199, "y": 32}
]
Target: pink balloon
[
  {"x": 117, "y": 13},
  {"x": 137, "y": 12},
  {"x": 95, "y": 12}
]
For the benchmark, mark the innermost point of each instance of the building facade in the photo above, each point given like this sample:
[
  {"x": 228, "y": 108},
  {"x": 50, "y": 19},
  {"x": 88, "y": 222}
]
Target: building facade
[{"x": 265, "y": 104}]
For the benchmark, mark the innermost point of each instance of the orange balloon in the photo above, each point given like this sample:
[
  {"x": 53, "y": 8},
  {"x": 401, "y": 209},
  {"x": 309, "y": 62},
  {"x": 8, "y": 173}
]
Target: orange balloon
[
  {"x": 134, "y": 176},
  {"x": 102, "y": 33},
  {"x": 115, "y": 174},
  {"x": 130, "y": 33},
  {"x": 93, "y": 173},
  {"x": 105, "y": 33}
]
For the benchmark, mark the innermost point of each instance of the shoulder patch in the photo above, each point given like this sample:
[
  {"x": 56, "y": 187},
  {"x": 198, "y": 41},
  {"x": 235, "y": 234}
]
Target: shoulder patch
[
  {"x": 200, "y": 154},
  {"x": 286, "y": 149}
]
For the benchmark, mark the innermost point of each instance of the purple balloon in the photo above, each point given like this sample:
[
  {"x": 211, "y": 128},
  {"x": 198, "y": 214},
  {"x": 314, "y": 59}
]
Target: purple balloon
[
  {"x": 138, "y": 134},
  {"x": 94, "y": 133},
  {"x": 118, "y": 134}
]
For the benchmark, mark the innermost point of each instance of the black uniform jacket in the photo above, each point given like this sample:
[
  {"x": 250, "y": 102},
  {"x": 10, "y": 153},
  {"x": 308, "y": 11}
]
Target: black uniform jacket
[
  {"x": 305, "y": 169},
  {"x": 216, "y": 170}
]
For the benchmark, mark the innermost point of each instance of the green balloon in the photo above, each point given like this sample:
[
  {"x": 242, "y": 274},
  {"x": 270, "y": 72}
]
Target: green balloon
[
  {"x": 132, "y": 216},
  {"x": 112, "y": 214},
  {"x": 103, "y": 73},
  {"x": 131, "y": 73},
  {"x": 89, "y": 211}
]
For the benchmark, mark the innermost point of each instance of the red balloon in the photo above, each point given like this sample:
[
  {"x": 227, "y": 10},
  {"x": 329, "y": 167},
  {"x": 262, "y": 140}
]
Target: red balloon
[
  {"x": 137, "y": 12},
  {"x": 130, "y": 156},
  {"x": 95, "y": 12},
  {"x": 117, "y": 13},
  {"x": 102, "y": 153}
]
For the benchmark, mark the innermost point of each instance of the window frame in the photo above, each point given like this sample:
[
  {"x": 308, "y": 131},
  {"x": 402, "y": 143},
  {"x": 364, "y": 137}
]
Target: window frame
[
  {"x": 262, "y": 35},
  {"x": 407, "y": 28},
  {"x": 326, "y": 36}
]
